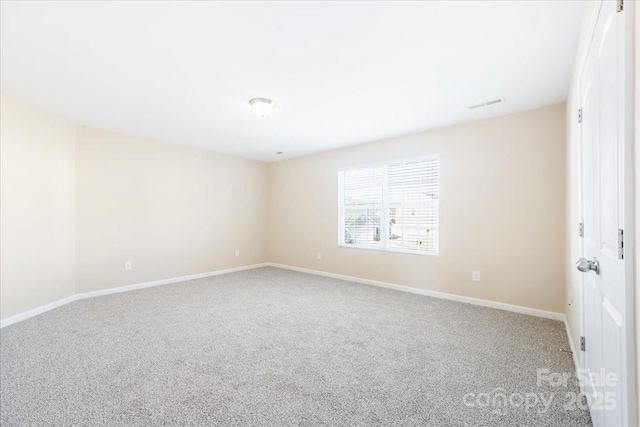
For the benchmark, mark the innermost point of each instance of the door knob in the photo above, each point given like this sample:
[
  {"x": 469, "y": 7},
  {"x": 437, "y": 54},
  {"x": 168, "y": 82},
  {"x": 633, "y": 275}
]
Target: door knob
[{"x": 586, "y": 266}]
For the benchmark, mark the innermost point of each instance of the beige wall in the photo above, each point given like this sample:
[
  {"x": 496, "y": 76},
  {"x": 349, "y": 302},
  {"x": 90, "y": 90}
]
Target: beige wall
[
  {"x": 78, "y": 202},
  {"x": 171, "y": 211},
  {"x": 501, "y": 211},
  {"x": 174, "y": 211},
  {"x": 36, "y": 208}
]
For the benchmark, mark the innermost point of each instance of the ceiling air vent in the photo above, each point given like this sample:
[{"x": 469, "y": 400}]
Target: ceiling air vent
[{"x": 485, "y": 104}]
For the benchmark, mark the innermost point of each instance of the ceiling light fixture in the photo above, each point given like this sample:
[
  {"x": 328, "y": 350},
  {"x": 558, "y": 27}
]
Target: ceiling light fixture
[{"x": 262, "y": 106}]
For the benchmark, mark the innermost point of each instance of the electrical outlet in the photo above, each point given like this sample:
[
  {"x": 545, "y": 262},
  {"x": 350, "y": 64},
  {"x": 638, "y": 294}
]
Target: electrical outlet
[
  {"x": 128, "y": 266},
  {"x": 475, "y": 276},
  {"x": 237, "y": 252},
  {"x": 319, "y": 255}
]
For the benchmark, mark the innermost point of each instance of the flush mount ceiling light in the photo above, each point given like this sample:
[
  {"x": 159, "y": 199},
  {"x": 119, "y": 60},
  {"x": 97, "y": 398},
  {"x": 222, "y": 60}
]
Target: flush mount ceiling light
[{"x": 262, "y": 106}]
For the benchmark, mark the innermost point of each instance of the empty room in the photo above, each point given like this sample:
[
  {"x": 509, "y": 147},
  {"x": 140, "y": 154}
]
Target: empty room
[{"x": 341, "y": 213}]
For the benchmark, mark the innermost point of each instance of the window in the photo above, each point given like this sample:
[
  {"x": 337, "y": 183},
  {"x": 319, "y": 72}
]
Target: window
[{"x": 390, "y": 207}]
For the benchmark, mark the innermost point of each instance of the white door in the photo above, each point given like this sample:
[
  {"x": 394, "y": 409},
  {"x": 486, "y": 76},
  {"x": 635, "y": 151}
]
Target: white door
[{"x": 605, "y": 311}]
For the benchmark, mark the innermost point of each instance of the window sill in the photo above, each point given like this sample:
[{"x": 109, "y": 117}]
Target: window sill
[{"x": 399, "y": 251}]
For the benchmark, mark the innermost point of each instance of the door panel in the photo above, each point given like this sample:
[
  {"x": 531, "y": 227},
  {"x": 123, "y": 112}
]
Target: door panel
[
  {"x": 603, "y": 189},
  {"x": 612, "y": 363}
]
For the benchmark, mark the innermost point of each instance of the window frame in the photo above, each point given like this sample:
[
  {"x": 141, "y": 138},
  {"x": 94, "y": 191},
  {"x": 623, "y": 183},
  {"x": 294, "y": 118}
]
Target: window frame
[{"x": 384, "y": 232}]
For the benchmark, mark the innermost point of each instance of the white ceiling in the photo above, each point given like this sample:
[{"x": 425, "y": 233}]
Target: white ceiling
[{"x": 341, "y": 73}]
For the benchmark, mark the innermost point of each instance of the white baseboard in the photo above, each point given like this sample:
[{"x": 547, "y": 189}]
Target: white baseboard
[
  {"x": 576, "y": 359},
  {"x": 459, "y": 298},
  {"x": 35, "y": 311},
  {"x": 39, "y": 310},
  {"x": 442, "y": 295},
  {"x": 165, "y": 281},
  {"x": 571, "y": 346}
]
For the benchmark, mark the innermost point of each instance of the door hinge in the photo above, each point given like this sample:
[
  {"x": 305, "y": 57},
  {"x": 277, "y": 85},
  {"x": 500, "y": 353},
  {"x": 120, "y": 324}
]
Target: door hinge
[
  {"x": 620, "y": 244},
  {"x": 581, "y": 230},
  {"x": 620, "y": 7},
  {"x": 583, "y": 345},
  {"x": 579, "y": 115}
]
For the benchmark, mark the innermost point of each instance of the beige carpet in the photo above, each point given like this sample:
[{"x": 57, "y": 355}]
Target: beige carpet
[{"x": 275, "y": 347}]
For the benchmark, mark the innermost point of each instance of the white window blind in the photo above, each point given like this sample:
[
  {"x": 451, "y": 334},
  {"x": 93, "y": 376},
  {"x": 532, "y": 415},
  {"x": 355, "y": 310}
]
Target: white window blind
[{"x": 392, "y": 207}]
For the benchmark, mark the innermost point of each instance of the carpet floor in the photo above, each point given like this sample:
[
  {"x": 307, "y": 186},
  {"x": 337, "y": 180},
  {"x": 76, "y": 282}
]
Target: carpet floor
[{"x": 275, "y": 347}]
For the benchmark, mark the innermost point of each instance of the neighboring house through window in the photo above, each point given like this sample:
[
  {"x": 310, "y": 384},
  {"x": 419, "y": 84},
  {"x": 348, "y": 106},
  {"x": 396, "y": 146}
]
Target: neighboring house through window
[{"x": 393, "y": 206}]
